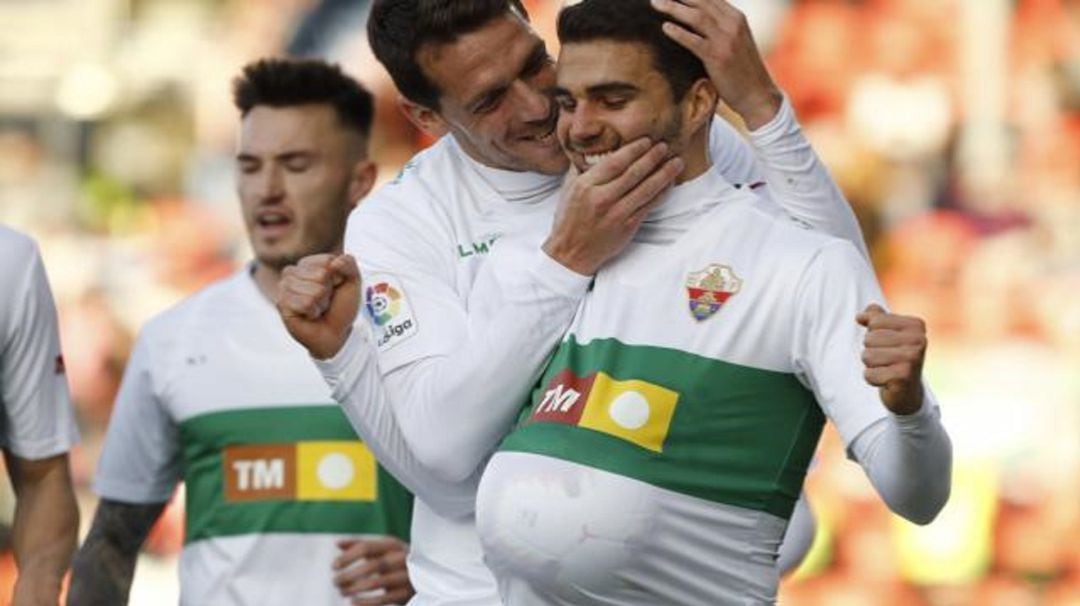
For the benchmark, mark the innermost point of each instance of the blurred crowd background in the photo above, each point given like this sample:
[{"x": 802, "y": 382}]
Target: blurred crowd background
[{"x": 952, "y": 125}]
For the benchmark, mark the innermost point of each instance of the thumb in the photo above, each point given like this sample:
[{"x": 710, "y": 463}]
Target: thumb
[
  {"x": 345, "y": 269},
  {"x": 867, "y": 315}
]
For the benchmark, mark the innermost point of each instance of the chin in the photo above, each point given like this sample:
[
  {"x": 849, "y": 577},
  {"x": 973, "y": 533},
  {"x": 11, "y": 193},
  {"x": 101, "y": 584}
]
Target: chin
[{"x": 277, "y": 260}]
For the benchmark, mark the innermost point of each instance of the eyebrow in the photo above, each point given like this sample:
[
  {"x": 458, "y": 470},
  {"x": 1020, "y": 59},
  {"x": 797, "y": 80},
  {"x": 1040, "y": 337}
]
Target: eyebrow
[
  {"x": 596, "y": 90},
  {"x": 283, "y": 157},
  {"x": 536, "y": 56}
]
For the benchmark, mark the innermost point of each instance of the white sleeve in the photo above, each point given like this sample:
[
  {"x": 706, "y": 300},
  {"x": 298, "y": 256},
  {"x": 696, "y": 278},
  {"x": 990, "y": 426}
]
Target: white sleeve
[
  {"x": 732, "y": 155},
  {"x": 909, "y": 461},
  {"x": 140, "y": 460},
  {"x": 457, "y": 369},
  {"x": 901, "y": 455},
  {"x": 797, "y": 180},
  {"x": 355, "y": 382},
  {"x": 37, "y": 420}
]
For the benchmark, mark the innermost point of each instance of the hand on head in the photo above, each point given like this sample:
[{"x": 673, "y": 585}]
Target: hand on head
[{"x": 720, "y": 36}]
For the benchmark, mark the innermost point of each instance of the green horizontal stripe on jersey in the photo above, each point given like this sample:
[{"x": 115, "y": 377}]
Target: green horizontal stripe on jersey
[
  {"x": 209, "y": 515},
  {"x": 741, "y": 436}
]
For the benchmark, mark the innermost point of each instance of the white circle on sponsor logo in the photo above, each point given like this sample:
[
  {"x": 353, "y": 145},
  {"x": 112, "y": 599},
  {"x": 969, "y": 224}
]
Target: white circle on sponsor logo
[
  {"x": 335, "y": 471},
  {"x": 630, "y": 410}
]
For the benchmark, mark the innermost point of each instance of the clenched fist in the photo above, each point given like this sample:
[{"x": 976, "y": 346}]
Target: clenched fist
[
  {"x": 318, "y": 299},
  {"x": 895, "y": 347}
]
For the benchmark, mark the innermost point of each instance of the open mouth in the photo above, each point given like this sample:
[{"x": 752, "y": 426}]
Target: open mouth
[{"x": 272, "y": 221}]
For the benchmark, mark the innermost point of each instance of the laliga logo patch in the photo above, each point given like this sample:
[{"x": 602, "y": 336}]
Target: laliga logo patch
[
  {"x": 390, "y": 311},
  {"x": 709, "y": 289},
  {"x": 383, "y": 302}
]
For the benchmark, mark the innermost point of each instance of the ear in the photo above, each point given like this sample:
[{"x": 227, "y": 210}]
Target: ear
[
  {"x": 424, "y": 118},
  {"x": 700, "y": 104},
  {"x": 361, "y": 180}
]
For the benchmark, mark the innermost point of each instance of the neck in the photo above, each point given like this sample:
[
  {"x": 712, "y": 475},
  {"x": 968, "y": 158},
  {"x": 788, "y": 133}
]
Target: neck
[
  {"x": 696, "y": 157},
  {"x": 266, "y": 278}
]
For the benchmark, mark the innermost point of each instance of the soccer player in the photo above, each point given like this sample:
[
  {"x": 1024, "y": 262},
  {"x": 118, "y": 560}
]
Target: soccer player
[
  {"x": 665, "y": 448},
  {"x": 476, "y": 257},
  {"x": 216, "y": 393},
  {"x": 37, "y": 424}
]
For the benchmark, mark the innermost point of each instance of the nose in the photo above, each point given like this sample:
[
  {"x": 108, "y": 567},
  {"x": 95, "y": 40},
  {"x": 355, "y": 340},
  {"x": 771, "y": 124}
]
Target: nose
[
  {"x": 270, "y": 186},
  {"x": 584, "y": 127},
  {"x": 533, "y": 104}
]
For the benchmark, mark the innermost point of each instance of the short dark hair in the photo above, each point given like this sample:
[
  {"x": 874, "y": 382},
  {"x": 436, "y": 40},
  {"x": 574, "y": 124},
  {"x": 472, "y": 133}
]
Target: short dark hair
[
  {"x": 291, "y": 82},
  {"x": 397, "y": 29},
  {"x": 633, "y": 21}
]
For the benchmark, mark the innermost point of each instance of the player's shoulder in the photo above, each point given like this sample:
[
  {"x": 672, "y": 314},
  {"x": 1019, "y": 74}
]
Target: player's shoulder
[
  {"x": 223, "y": 296},
  {"x": 17, "y": 249},
  {"x": 16, "y": 242},
  {"x": 423, "y": 180},
  {"x": 785, "y": 233},
  {"x": 410, "y": 210},
  {"x": 785, "y": 244}
]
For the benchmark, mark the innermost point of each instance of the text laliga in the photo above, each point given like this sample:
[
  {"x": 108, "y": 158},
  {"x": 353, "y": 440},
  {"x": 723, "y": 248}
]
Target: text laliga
[{"x": 394, "y": 330}]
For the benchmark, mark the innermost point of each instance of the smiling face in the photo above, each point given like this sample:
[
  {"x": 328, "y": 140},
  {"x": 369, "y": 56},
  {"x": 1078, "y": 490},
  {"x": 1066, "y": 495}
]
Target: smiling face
[
  {"x": 610, "y": 93},
  {"x": 299, "y": 174},
  {"x": 493, "y": 84}
]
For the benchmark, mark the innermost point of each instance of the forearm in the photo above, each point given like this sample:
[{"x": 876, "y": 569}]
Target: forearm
[
  {"x": 453, "y": 409},
  {"x": 105, "y": 564},
  {"x": 799, "y": 182},
  {"x": 909, "y": 462},
  {"x": 45, "y": 528},
  {"x": 460, "y": 406}
]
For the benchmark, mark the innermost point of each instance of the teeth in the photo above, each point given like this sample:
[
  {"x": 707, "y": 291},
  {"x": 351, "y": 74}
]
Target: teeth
[
  {"x": 273, "y": 219},
  {"x": 594, "y": 159}
]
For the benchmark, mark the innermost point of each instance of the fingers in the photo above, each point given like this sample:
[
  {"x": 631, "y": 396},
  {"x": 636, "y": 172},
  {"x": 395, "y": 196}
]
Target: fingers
[
  {"x": 629, "y": 161},
  {"x": 888, "y": 356},
  {"x": 375, "y": 585},
  {"x": 382, "y": 579},
  {"x": 896, "y": 376},
  {"x": 872, "y": 311},
  {"x": 345, "y": 267},
  {"x": 693, "y": 42},
  {"x": 646, "y": 195},
  {"x": 649, "y": 175},
  {"x": 895, "y": 347},
  {"x": 354, "y": 549},
  {"x": 400, "y": 595},
  {"x": 882, "y": 326},
  {"x": 306, "y": 289},
  {"x": 299, "y": 298},
  {"x": 688, "y": 14}
]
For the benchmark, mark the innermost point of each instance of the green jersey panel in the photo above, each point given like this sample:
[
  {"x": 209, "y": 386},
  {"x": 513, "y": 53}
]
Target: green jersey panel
[
  {"x": 287, "y": 470},
  {"x": 698, "y": 426}
]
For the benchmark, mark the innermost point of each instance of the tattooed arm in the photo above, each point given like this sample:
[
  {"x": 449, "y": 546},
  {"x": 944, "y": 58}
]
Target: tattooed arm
[{"x": 105, "y": 564}]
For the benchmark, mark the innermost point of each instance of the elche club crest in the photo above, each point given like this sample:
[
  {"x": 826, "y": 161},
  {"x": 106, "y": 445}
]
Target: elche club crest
[{"x": 709, "y": 289}]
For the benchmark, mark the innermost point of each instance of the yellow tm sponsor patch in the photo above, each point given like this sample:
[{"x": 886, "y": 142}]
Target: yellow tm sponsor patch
[
  {"x": 335, "y": 471},
  {"x": 636, "y": 411},
  {"x": 304, "y": 471}
]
